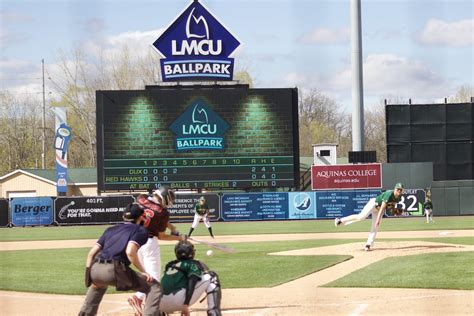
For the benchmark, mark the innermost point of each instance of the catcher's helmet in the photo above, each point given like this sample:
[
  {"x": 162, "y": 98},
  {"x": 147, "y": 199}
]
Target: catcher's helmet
[
  {"x": 184, "y": 250},
  {"x": 166, "y": 196},
  {"x": 132, "y": 212}
]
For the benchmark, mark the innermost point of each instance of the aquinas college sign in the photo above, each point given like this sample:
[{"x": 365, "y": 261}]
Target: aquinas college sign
[{"x": 196, "y": 46}]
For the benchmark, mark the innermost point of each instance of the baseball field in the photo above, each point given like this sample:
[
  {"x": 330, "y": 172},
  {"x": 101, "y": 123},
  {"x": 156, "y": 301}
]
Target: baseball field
[{"x": 279, "y": 268}]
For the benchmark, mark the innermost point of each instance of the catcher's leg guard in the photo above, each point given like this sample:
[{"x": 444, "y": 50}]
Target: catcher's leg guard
[{"x": 214, "y": 296}]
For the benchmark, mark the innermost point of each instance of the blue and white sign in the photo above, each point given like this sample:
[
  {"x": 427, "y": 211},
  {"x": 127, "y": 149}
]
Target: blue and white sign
[
  {"x": 199, "y": 127},
  {"x": 32, "y": 211},
  {"x": 254, "y": 206},
  {"x": 302, "y": 205},
  {"x": 331, "y": 204},
  {"x": 196, "y": 46},
  {"x": 63, "y": 134}
]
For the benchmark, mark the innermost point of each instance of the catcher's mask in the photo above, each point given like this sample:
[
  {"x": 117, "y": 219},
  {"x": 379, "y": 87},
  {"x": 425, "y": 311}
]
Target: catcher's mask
[
  {"x": 166, "y": 196},
  {"x": 184, "y": 250}
]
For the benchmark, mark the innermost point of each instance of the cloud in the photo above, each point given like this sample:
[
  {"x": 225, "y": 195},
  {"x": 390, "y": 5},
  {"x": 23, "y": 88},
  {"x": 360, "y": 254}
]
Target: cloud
[
  {"x": 384, "y": 74},
  {"x": 326, "y": 36},
  {"x": 388, "y": 74},
  {"x": 94, "y": 25},
  {"x": 138, "y": 42},
  {"x": 439, "y": 32}
]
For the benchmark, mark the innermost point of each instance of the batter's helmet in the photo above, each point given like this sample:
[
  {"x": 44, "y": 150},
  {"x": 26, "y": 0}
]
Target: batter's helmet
[
  {"x": 166, "y": 195},
  {"x": 184, "y": 250},
  {"x": 132, "y": 212}
]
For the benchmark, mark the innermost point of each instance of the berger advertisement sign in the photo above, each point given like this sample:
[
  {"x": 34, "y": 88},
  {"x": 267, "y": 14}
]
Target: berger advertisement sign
[
  {"x": 196, "y": 46},
  {"x": 359, "y": 176},
  {"x": 32, "y": 211}
]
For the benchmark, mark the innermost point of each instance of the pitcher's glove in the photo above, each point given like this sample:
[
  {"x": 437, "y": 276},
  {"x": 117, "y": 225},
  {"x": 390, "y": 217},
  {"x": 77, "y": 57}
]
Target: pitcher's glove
[{"x": 395, "y": 211}]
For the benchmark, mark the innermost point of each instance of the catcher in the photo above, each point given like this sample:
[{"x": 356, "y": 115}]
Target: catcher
[
  {"x": 201, "y": 211},
  {"x": 377, "y": 206},
  {"x": 185, "y": 280}
]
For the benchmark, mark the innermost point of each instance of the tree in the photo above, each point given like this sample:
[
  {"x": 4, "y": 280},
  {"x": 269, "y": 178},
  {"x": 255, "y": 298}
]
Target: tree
[
  {"x": 464, "y": 94},
  {"x": 321, "y": 121},
  {"x": 21, "y": 133}
]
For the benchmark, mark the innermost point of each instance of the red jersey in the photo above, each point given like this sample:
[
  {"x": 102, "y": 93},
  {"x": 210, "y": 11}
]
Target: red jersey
[{"x": 156, "y": 217}]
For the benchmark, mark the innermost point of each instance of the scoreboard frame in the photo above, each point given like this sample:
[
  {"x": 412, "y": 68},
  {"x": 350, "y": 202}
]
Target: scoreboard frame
[{"x": 277, "y": 170}]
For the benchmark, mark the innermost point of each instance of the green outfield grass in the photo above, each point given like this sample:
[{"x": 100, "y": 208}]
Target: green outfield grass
[
  {"x": 246, "y": 228},
  {"x": 61, "y": 270},
  {"x": 436, "y": 271}
]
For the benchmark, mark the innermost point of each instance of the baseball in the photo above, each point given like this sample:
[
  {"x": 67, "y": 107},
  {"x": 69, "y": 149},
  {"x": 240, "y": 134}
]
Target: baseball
[{"x": 209, "y": 253}]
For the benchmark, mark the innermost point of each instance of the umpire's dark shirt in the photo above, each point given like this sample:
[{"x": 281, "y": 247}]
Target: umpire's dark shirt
[{"x": 115, "y": 239}]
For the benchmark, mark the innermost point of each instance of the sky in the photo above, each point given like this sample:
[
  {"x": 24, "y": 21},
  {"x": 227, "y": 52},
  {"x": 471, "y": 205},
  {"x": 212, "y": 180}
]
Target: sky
[{"x": 417, "y": 49}]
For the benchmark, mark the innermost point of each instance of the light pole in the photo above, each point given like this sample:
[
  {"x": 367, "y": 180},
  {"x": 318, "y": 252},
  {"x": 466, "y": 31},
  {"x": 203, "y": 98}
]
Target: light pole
[{"x": 43, "y": 153}]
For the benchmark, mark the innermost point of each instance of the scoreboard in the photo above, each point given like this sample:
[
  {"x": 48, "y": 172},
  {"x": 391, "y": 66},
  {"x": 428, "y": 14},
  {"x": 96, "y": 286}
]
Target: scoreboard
[{"x": 219, "y": 137}]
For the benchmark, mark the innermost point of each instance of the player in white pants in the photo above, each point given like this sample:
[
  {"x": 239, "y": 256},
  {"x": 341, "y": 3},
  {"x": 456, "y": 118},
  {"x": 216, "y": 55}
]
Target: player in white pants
[
  {"x": 201, "y": 212},
  {"x": 377, "y": 207},
  {"x": 156, "y": 222}
]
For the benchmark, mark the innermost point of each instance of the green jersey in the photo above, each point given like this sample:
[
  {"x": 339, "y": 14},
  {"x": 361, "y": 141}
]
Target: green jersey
[
  {"x": 387, "y": 197},
  {"x": 201, "y": 209},
  {"x": 177, "y": 273}
]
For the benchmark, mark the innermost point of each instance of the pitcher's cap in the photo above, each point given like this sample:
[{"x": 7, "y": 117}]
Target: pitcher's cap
[
  {"x": 399, "y": 186},
  {"x": 202, "y": 198}
]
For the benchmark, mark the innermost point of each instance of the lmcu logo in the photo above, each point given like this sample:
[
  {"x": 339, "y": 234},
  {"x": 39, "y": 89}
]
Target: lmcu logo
[
  {"x": 199, "y": 127},
  {"x": 196, "y": 46}
]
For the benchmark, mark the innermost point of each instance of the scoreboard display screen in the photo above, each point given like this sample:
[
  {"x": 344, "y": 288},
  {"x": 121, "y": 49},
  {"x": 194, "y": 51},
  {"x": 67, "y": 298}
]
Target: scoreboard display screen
[{"x": 197, "y": 137}]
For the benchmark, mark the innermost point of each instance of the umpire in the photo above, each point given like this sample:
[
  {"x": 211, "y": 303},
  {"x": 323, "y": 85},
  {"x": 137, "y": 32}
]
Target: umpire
[{"x": 118, "y": 247}]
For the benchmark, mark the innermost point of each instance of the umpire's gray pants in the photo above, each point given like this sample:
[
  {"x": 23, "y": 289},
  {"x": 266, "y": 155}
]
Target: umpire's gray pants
[{"x": 103, "y": 275}]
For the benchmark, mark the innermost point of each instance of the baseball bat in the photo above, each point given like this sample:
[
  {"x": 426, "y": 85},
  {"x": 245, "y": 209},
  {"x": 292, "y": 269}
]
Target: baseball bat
[{"x": 214, "y": 245}]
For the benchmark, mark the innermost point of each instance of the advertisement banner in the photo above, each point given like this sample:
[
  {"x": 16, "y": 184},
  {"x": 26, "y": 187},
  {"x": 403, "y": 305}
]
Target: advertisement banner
[
  {"x": 332, "y": 204},
  {"x": 301, "y": 205},
  {"x": 254, "y": 206},
  {"x": 3, "y": 212},
  {"x": 412, "y": 202},
  {"x": 61, "y": 140},
  {"x": 91, "y": 210},
  {"x": 32, "y": 211},
  {"x": 359, "y": 176},
  {"x": 183, "y": 207}
]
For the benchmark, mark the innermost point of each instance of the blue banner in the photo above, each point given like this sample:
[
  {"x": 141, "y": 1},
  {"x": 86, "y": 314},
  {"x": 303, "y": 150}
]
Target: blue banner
[
  {"x": 302, "y": 205},
  {"x": 331, "y": 204},
  {"x": 32, "y": 211},
  {"x": 254, "y": 206},
  {"x": 63, "y": 134}
]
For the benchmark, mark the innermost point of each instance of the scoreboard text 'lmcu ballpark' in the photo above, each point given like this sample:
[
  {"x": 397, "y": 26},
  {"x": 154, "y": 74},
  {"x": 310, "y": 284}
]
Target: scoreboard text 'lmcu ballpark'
[{"x": 197, "y": 137}]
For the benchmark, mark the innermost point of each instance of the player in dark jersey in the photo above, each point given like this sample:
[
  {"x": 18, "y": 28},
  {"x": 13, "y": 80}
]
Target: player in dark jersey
[
  {"x": 156, "y": 221},
  {"x": 377, "y": 207},
  {"x": 118, "y": 247},
  {"x": 185, "y": 280}
]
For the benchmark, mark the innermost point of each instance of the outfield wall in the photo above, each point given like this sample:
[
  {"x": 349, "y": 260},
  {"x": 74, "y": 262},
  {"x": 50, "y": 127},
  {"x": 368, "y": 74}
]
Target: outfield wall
[{"x": 43, "y": 211}]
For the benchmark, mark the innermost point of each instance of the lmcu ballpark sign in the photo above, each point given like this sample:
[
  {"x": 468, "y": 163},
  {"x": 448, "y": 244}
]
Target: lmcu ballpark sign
[
  {"x": 196, "y": 46},
  {"x": 199, "y": 127},
  {"x": 360, "y": 176}
]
